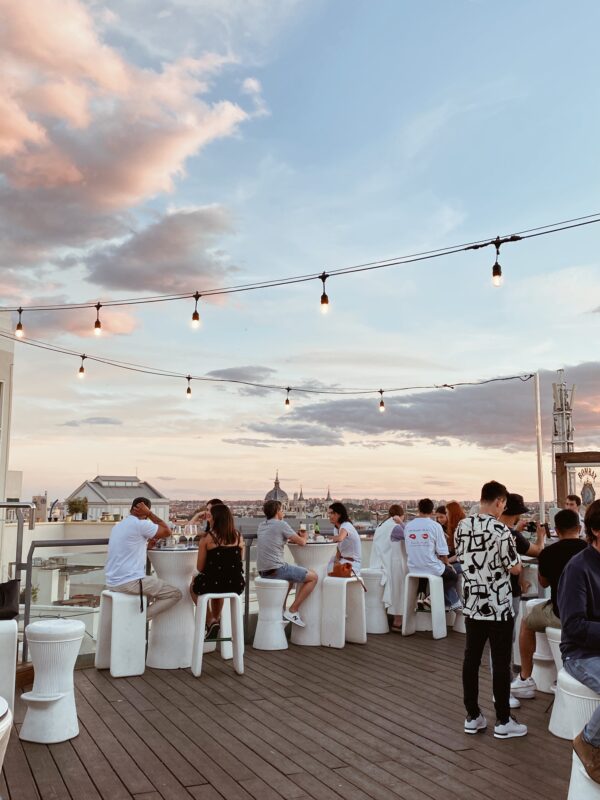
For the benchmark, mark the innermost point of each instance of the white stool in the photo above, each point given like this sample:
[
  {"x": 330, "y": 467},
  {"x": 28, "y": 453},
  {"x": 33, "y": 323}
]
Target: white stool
[
  {"x": 377, "y": 621},
  {"x": 270, "y": 628},
  {"x": 5, "y": 728},
  {"x": 580, "y": 701},
  {"x": 236, "y": 635},
  {"x": 581, "y": 786},
  {"x": 51, "y": 713},
  {"x": 544, "y": 669},
  {"x": 559, "y": 724},
  {"x": 121, "y": 642},
  {"x": 344, "y": 617},
  {"x": 8, "y": 660},
  {"x": 438, "y": 605}
]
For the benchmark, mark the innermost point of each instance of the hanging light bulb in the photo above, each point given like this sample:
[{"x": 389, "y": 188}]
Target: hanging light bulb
[
  {"x": 287, "y": 404},
  {"x": 496, "y": 274},
  {"x": 324, "y": 298},
  {"x": 19, "y": 329},
  {"x": 196, "y": 315},
  {"x": 497, "y": 269},
  {"x": 98, "y": 324},
  {"x": 381, "y": 403},
  {"x": 81, "y": 373},
  {"x": 188, "y": 391}
]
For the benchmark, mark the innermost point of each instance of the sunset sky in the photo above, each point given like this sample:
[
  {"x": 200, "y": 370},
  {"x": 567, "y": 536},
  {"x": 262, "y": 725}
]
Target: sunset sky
[{"x": 179, "y": 145}]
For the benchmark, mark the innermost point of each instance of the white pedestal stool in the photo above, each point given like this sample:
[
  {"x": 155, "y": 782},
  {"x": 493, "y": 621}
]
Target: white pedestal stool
[
  {"x": 51, "y": 713},
  {"x": 580, "y": 701},
  {"x": 8, "y": 660},
  {"x": 544, "y": 669},
  {"x": 581, "y": 786},
  {"x": 121, "y": 642},
  {"x": 270, "y": 628},
  {"x": 559, "y": 724},
  {"x": 438, "y": 605},
  {"x": 5, "y": 728},
  {"x": 344, "y": 617},
  {"x": 237, "y": 631},
  {"x": 377, "y": 621}
]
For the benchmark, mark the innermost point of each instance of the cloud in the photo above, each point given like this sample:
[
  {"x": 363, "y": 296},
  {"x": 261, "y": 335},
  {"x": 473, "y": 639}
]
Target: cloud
[
  {"x": 248, "y": 442},
  {"x": 76, "y": 423},
  {"x": 86, "y": 133},
  {"x": 292, "y": 432},
  {"x": 175, "y": 254},
  {"x": 252, "y": 87},
  {"x": 496, "y": 415},
  {"x": 254, "y": 374}
]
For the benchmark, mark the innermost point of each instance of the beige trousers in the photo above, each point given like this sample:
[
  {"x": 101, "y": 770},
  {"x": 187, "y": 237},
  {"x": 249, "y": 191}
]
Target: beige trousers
[{"x": 160, "y": 595}]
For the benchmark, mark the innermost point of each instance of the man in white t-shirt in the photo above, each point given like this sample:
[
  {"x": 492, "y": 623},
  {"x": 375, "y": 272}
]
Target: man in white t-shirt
[
  {"x": 427, "y": 551},
  {"x": 125, "y": 567}
]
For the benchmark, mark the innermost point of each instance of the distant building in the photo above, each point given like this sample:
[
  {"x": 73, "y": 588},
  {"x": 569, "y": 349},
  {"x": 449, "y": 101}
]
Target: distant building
[
  {"x": 112, "y": 495},
  {"x": 41, "y": 507},
  {"x": 277, "y": 493}
]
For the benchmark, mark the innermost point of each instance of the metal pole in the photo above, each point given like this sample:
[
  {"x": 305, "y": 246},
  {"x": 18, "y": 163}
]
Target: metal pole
[{"x": 538, "y": 432}]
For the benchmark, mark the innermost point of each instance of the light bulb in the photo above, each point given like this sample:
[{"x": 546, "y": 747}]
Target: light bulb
[
  {"x": 497, "y": 274},
  {"x": 19, "y": 329},
  {"x": 97, "y": 328},
  {"x": 324, "y": 303},
  {"x": 287, "y": 405},
  {"x": 188, "y": 391},
  {"x": 195, "y": 320},
  {"x": 381, "y": 403},
  {"x": 81, "y": 373}
]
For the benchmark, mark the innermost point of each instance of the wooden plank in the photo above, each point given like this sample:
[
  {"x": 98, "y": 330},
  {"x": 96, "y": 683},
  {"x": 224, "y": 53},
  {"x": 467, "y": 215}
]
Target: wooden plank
[
  {"x": 99, "y": 768},
  {"x": 45, "y": 772},
  {"x": 17, "y": 773},
  {"x": 73, "y": 773}
]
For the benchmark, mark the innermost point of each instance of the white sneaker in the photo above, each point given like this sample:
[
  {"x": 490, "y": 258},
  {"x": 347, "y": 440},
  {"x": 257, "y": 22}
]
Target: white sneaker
[
  {"x": 475, "y": 725},
  {"x": 293, "y": 616},
  {"x": 514, "y": 702},
  {"x": 510, "y": 729},
  {"x": 523, "y": 687}
]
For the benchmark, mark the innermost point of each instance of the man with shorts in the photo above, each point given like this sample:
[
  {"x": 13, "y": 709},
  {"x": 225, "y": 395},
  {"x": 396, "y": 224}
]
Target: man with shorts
[
  {"x": 273, "y": 534},
  {"x": 552, "y": 561},
  {"x": 125, "y": 568}
]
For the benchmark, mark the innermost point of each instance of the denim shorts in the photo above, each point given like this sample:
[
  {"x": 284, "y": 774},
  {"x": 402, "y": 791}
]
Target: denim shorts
[{"x": 289, "y": 572}]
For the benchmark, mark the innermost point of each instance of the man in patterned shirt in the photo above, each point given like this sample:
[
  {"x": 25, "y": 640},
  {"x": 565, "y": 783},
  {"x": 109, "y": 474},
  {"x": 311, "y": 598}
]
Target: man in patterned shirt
[{"x": 485, "y": 547}]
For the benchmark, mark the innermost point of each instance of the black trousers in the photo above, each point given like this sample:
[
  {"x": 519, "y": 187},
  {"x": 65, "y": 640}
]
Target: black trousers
[{"x": 500, "y": 637}]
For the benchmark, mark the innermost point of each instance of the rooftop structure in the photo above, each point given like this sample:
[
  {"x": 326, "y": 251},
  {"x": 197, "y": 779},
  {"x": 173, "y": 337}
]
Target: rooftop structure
[
  {"x": 113, "y": 495},
  {"x": 277, "y": 492}
]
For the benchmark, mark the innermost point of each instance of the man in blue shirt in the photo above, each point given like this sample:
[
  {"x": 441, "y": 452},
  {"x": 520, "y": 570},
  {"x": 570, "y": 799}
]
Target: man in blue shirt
[{"x": 579, "y": 606}]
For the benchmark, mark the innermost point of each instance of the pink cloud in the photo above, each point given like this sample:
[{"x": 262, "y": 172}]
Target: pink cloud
[
  {"x": 77, "y": 114},
  {"x": 46, "y": 325}
]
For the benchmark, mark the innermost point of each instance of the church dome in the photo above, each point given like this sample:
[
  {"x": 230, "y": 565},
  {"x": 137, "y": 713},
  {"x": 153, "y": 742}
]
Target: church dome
[{"x": 277, "y": 492}]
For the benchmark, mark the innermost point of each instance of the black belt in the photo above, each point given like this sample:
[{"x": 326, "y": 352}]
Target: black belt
[{"x": 141, "y": 597}]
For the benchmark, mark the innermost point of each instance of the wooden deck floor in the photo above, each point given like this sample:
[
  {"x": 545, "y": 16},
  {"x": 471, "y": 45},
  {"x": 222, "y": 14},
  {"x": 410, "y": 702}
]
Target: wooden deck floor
[{"x": 381, "y": 721}]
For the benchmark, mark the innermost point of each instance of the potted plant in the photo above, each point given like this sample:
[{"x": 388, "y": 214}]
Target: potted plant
[{"x": 78, "y": 505}]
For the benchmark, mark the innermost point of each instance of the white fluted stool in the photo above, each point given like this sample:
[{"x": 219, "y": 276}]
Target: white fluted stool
[
  {"x": 121, "y": 642},
  {"x": 235, "y": 637},
  {"x": 51, "y": 713},
  {"x": 580, "y": 701},
  {"x": 436, "y": 597},
  {"x": 344, "y": 617},
  {"x": 559, "y": 724},
  {"x": 270, "y": 628},
  {"x": 374, "y": 580},
  {"x": 5, "y": 728},
  {"x": 8, "y": 660},
  {"x": 581, "y": 786},
  {"x": 544, "y": 669}
]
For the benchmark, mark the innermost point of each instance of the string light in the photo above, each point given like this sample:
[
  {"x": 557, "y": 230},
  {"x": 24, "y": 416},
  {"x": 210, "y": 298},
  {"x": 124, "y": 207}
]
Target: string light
[
  {"x": 306, "y": 389},
  {"x": 287, "y": 404},
  {"x": 81, "y": 373},
  {"x": 324, "y": 298},
  {"x": 497, "y": 269},
  {"x": 98, "y": 324},
  {"x": 381, "y": 403},
  {"x": 196, "y": 315},
  {"x": 188, "y": 391},
  {"x": 19, "y": 329}
]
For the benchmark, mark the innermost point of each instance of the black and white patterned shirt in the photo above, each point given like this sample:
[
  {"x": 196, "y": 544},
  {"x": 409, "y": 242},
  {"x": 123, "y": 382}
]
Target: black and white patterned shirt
[{"x": 486, "y": 549}]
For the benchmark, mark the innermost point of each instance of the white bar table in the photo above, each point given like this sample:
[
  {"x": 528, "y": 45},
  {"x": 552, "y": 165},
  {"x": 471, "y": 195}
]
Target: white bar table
[
  {"x": 172, "y": 632},
  {"x": 313, "y": 556}
]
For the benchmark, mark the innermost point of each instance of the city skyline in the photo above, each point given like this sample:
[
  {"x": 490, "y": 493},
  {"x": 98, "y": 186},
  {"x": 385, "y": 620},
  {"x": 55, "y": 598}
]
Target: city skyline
[{"x": 188, "y": 145}]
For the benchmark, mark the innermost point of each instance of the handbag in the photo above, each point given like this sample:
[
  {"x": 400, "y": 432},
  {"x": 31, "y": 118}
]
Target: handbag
[
  {"x": 340, "y": 570},
  {"x": 9, "y": 600}
]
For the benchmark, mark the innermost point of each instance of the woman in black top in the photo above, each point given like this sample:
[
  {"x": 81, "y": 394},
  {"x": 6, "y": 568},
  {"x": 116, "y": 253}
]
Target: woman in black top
[{"x": 220, "y": 565}]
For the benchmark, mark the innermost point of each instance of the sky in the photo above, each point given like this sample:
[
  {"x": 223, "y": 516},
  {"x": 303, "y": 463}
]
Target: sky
[{"x": 174, "y": 146}]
